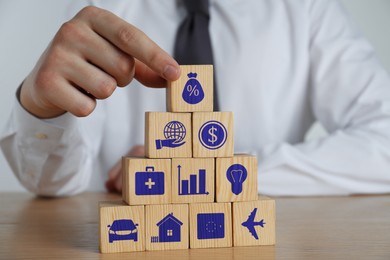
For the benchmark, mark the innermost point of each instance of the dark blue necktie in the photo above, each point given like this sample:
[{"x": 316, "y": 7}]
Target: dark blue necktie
[{"x": 193, "y": 43}]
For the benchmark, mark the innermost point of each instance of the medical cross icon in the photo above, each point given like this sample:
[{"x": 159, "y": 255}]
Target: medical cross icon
[{"x": 149, "y": 182}]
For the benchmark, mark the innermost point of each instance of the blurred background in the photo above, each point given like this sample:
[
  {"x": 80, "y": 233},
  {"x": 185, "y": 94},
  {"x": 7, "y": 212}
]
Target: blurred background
[{"x": 26, "y": 28}]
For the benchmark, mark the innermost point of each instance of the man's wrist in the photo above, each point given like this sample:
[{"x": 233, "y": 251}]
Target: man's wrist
[{"x": 27, "y": 104}]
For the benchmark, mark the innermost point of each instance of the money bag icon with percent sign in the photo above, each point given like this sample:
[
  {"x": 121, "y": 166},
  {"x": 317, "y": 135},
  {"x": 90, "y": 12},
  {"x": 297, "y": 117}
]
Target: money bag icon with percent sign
[{"x": 193, "y": 92}]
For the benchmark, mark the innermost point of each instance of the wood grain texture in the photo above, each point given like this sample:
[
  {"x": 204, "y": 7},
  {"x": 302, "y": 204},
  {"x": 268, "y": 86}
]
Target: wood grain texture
[
  {"x": 155, "y": 128},
  {"x": 307, "y": 228},
  {"x": 209, "y": 225},
  {"x": 135, "y": 165},
  {"x": 263, "y": 211},
  {"x": 194, "y": 167},
  {"x": 199, "y": 124},
  {"x": 156, "y": 232},
  {"x": 224, "y": 184},
  {"x": 174, "y": 92},
  {"x": 111, "y": 211}
]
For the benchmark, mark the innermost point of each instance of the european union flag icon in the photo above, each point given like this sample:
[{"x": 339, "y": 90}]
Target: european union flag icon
[
  {"x": 149, "y": 182},
  {"x": 211, "y": 225}
]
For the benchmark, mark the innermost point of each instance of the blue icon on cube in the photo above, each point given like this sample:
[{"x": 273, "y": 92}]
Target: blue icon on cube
[
  {"x": 193, "y": 92},
  {"x": 212, "y": 135},
  {"x": 174, "y": 133},
  {"x": 122, "y": 229},
  {"x": 169, "y": 230},
  {"x": 236, "y": 175},
  {"x": 250, "y": 223},
  {"x": 149, "y": 182},
  {"x": 192, "y": 186},
  {"x": 211, "y": 225}
]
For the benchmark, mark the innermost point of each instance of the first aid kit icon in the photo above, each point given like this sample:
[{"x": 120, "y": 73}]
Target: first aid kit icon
[{"x": 149, "y": 182}]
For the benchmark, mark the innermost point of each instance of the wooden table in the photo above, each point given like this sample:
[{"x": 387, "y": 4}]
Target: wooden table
[{"x": 307, "y": 228}]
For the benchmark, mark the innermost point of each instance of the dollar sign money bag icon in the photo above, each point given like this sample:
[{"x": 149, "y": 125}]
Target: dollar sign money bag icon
[{"x": 193, "y": 92}]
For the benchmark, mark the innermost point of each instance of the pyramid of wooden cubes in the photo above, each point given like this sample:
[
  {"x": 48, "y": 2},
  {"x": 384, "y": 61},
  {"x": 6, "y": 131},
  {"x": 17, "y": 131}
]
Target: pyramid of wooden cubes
[{"x": 191, "y": 190}]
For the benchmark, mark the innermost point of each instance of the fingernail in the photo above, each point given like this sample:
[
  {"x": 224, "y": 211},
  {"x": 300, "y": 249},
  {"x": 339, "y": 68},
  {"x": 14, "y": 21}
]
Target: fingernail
[{"x": 170, "y": 72}]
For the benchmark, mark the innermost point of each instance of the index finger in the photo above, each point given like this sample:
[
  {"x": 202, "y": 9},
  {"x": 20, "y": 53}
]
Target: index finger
[{"x": 132, "y": 41}]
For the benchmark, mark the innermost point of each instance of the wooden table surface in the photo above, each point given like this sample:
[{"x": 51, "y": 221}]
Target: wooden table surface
[{"x": 307, "y": 228}]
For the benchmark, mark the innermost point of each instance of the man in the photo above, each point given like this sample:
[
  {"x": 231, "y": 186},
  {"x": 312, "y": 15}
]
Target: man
[{"x": 280, "y": 65}]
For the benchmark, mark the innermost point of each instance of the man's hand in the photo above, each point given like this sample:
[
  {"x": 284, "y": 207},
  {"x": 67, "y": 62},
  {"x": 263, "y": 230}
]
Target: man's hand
[
  {"x": 114, "y": 182},
  {"x": 88, "y": 58}
]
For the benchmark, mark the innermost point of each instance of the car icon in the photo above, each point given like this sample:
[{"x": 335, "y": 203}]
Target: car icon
[{"x": 122, "y": 229}]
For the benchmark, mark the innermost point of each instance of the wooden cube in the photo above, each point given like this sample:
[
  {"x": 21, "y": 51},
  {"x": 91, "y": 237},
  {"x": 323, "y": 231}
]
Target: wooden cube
[
  {"x": 236, "y": 178},
  {"x": 213, "y": 134},
  {"x": 167, "y": 227},
  {"x": 192, "y": 180},
  {"x": 210, "y": 225},
  {"x": 168, "y": 135},
  {"x": 122, "y": 227},
  {"x": 193, "y": 91},
  {"x": 146, "y": 181},
  {"x": 254, "y": 222}
]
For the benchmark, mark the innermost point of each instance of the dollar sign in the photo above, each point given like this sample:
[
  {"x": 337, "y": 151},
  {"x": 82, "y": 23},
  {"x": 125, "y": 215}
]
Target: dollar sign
[{"x": 214, "y": 137}]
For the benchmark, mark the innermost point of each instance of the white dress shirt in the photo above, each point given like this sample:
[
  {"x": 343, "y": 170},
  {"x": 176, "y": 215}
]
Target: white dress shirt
[{"x": 280, "y": 65}]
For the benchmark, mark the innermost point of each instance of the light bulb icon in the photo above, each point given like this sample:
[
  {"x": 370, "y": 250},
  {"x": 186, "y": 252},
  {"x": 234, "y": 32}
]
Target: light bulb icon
[{"x": 236, "y": 175}]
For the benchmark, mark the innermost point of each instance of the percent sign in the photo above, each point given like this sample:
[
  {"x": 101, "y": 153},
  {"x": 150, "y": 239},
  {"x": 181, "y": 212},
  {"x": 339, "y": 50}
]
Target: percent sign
[{"x": 193, "y": 90}]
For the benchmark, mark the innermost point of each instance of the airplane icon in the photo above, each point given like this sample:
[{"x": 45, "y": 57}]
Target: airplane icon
[{"x": 250, "y": 223}]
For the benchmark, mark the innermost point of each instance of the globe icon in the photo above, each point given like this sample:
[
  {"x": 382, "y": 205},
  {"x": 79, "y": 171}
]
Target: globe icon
[{"x": 175, "y": 130}]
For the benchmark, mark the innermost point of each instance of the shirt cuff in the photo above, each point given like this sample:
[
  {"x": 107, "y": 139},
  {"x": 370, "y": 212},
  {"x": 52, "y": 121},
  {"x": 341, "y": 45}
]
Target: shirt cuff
[{"x": 33, "y": 129}]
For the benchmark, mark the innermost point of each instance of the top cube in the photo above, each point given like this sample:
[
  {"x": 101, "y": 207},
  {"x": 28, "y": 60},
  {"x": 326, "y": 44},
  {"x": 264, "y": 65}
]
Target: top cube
[{"x": 193, "y": 91}]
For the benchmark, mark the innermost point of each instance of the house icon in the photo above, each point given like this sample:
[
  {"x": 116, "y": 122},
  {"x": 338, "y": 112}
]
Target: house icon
[{"x": 169, "y": 230}]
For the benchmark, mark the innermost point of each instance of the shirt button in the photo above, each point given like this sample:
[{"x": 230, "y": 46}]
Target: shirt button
[{"x": 41, "y": 136}]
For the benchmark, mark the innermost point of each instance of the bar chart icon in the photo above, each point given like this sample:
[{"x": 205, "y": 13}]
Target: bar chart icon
[{"x": 196, "y": 185}]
